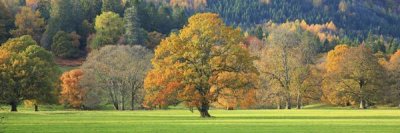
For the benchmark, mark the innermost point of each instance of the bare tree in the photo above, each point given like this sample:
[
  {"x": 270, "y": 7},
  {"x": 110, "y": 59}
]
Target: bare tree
[
  {"x": 285, "y": 60},
  {"x": 117, "y": 72}
]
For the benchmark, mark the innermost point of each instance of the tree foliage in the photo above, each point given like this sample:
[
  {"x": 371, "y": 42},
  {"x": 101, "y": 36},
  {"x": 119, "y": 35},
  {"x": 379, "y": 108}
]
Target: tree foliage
[
  {"x": 29, "y": 22},
  {"x": 72, "y": 93},
  {"x": 116, "y": 74},
  {"x": 109, "y": 28},
  {"x": 197, "y": 64},
  {"x": 132, "y": 26},
  {"x": 112, "y": 6},
  {"x": 285, "y": 61},
  {"x": 353, "y": 76},
  {"x": 65, "y": 45},
  {"x": 27, "y": 72},
  {"x": 5, "y": 23}
]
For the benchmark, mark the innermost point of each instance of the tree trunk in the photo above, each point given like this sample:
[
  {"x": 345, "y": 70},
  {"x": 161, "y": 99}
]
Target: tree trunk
[
  {"x": 123, "y": 104},
  {"x": 133, "y": 103},
  {"x": 13, "y": 106},
  {"x": 36, "y": 107},
  {"x": 362, "y": 104},
  {"x": 203, "y": 109},
  {"x": 278, "y": 105},
  {"x": 116, "y": 106},
  {"x": 288, "y": 103},
  {"x": 298, "y": 106}
]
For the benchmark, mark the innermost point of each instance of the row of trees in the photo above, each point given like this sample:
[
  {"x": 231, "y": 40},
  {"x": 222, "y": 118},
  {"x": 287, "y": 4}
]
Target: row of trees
[
  {"x": 204, "y": 64},
  {"x": 113, "y": 74},
  {"x": 292, "y": 66},
  {"x": 152, "y": 20},
  {"x": 357, "y": 17}
]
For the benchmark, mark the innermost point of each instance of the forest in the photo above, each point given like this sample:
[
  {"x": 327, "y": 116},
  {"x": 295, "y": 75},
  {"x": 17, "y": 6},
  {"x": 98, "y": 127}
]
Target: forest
[{"x": 199, "y": 54}]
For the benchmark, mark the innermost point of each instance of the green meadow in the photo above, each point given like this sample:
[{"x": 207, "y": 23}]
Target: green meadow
[{"x": 183, "y": 121}]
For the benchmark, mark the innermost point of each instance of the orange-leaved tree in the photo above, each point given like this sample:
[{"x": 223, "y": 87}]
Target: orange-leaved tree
[
  {"x": 195, "y": 65},
  {"x": 71, "y": 93}
]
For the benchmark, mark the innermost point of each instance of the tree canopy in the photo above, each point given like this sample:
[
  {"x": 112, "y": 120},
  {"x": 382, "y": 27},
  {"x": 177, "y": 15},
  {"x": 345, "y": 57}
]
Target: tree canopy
[
  {"x": 28, "y": 72},
  {"x": 195, "y": 65}
]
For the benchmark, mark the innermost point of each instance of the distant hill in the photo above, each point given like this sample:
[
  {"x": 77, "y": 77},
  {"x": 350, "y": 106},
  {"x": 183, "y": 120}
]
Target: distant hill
[{"x": 357, "y": 17}]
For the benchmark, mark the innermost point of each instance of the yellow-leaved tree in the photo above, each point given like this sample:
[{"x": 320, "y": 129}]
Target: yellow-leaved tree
[
  {"x": 197, "y": 64},
  {"x": 27, "y": 72},
  {"x": 354, "y": 75}
]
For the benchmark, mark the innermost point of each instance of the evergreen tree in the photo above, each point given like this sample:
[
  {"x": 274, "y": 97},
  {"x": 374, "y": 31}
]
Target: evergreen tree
[
  {"x": 61, "y": 18},
  {"x": 90, "y": 8},
  {"x": 66, "y": 15},
  {"x": 43, "y": 6},
  {"x": 63, "y": 46},
  {"x": 5, "y": 23},
  {"x": 112, "y": 6},
  {"x": 132, "y": 26}
]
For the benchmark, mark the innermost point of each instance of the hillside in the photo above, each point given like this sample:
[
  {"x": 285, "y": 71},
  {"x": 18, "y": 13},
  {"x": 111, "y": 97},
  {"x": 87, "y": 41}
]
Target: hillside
[{"x": 356, "y": 17}]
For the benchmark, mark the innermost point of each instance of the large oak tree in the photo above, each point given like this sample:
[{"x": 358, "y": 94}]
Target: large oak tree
[
  {"x": 195, "y": 65},
  {"x": 354, "y": 75},
  {"x": 27, "y": 72}
]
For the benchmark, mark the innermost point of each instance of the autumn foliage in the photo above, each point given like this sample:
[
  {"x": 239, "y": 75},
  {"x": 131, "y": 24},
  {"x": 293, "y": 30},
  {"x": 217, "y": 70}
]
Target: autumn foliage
[
  {"x": 200, "y": 63},
  {"x": 71, "y": 93},
  {"x": 353, "y": 77}
]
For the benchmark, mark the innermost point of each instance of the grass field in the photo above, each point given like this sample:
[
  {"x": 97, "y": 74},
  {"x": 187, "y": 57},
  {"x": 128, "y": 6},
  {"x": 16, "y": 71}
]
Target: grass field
[{"x": 224, "y": 121}]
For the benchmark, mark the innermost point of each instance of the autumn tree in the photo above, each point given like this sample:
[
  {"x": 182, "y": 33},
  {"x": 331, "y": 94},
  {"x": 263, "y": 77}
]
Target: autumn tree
[
  {"x": 285, "y": 61},
  {"x": 195, "y": 65},
  {"x": 72, "y": 93},
  {"x": 392, "y": 67},
  {"x": 109, "y": 28},
  {"x": 29, "y": 22},
  {"x": 353, "y": 76},
  {"x": 27, "y": 72},
  {"x": 117, "y": 72}
]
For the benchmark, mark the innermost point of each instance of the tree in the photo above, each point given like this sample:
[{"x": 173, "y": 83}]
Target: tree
[
  {"x": 132, "y": 26},
  {"x": 43, "y": 6},
  {"x": 61, "y": 18},
  {"x": 353, "y": 76},
  {"x": 30, "y": 23},
  {"x": 393, "y": 69},
  {"x": 27, "y": 72},
  {"x": 91, "y": 8},
  {"x": 5, "y": 23},
  {"x": 112, "y": 6},
  {"x": 285, "y": 61},
  {"x": 65, "y": 46},
  {"x": 118, "y": 73},
  {"x": 71, "y": 92},
  {"x": 195, "y": 65},
  {"x": 109, "y": 28},
  {"x": 66, "y": 15},
  {"x": 153, "y": 40}
]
